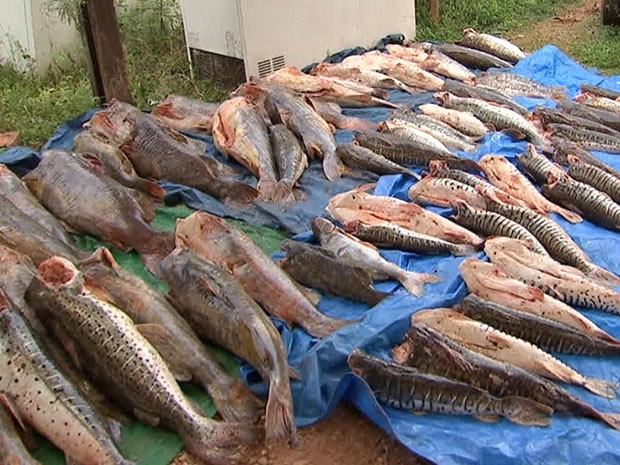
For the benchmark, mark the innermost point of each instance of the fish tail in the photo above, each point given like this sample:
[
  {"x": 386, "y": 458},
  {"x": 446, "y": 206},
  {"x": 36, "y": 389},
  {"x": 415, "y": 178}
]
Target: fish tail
[
  {"x": 324, "y": 326},
  {"x": 240, "y": 193},
  {"x": 611, "y": 419},
  {"x": 332, "y": 167},
  {"x": 527, "y": 412},
  {"x": 151, "y": 188},
  {"x": 283, "y": 192},
  {"x": 279, "y": 418},
  {"x": 568, "y": 215},
  {"x": 266, "y": 188},
  {"x": 235, "y": 402},
  {"x": 159, "y": 245},
  {"x": 413, "y": 283},
  {"x": 463, "y": 250},
  {"x": 601, "y": 387},
  {"x": 603, "y": 276}
]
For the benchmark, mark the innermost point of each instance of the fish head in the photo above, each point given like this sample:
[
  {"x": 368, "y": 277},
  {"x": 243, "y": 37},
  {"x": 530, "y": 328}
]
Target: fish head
[
  {"x": 494, "y": 165},
  {"x": 58, "y": 274},
  {"x": 402, "y": 351},
  {"x": 358, "y": 362},
  {"x": 496, "y": 244},
  {"x": 34, "y": 182},
  {"x": 5, "y": 171},
  {"x": 199, "y": 229},
  {"x": 433, "y": 316},
  {"x": 322, "y": 227},
  {"x": 443, "y": 98},
  {"x": 475, "y": 266}
]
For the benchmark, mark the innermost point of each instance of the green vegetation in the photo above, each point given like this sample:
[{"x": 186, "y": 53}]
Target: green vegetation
[{"x": 601, "y": 51}]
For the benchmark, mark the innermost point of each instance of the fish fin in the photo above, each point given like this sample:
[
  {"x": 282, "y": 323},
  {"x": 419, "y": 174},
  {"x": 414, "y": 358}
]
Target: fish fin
[
  {"x": 463, "y": 250},
  {"x": 279, "y": 419},
  {"x": 235, "y": 402},
  {"x": 413, "y": 283},
  {"x": 299, "y": 195},
  {"x": 487, "y": 418},
  {"x": 612, "y": 419},
  {"x": 283, "y": 193},
  {"x": 312, "y": 295},
  {"x": 568, "y": 215},
  {"x": 603, "y": 276},
  {"x": 490, "y": 126},
  {"x": 240, "y": 193},
  {"x": 166, "y": 109},
  {"x": 499, "y": 281},
  {"x": 332, "y": 166},
  {"x": 161, "y": 340},
  {"x": 514, "y": 133},
  {"x": 496, "y": 341},
  {"x": 528, "y": 412},
  {"x": 151, "y": 188},
  {"x": 13, "y": 410},
  {"x": 266, "y": 188},
  {"x": 293, "y": 373},
  {"x": 148, "y": 419},
  {"x": 92, "y": 162},
  {"x": 160, "y": 244},
  {"x": 602, "y": 388}
]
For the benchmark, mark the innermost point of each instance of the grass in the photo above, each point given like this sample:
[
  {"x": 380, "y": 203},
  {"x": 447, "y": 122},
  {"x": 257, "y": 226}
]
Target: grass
[{"x": 602, "y": 50}]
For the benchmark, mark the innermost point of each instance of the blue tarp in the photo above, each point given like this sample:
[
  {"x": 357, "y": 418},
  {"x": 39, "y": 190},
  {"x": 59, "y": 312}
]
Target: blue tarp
[{"x": 326, "y": 380}]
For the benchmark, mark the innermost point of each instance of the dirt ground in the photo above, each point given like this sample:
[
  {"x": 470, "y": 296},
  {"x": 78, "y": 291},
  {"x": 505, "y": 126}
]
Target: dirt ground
[{"x": 346, "y": 437}]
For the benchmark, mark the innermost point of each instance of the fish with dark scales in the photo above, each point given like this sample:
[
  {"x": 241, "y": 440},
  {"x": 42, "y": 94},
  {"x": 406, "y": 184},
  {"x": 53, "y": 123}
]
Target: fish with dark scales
[
  {"x": 563, "y": 149},
  {"x": 357, "y": 157},
  {"x": 515, "y": 84},
  {"x": 549, "y": 116},
  {"x": 494, "y": 45},
  {"x": 470, "y": 57},
  {"x": 608, "y": 118},
  {"x": 600, "y": 91},
  {"x": 591, "y": 140},
  {"x": 594, "y": 176},
  {"x": 406, "y": 388},
  {"x": 442, "y": 192},
  {"x": 536, "y": 165},
  {"x": 429, "y": 351},
  {"x": 483, "y": 93}
]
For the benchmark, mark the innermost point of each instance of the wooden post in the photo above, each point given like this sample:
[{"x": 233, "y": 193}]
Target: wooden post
[
  {"x": 108, "y": 73},
  {"x": 435, "y": 10}
]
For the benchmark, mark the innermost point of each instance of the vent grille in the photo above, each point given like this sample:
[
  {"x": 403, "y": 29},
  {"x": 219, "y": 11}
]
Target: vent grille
[
  {"x": 267, "y": 66},
  {"x": 227, "y": 72}
]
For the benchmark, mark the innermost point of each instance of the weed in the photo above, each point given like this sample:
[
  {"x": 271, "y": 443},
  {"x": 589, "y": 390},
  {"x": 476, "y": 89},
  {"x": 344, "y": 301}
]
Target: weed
[{"x": 601, "y": 50}]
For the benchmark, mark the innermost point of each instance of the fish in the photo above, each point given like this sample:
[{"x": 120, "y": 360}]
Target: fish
[
  {"x": 291, "y": 161},
  {"x": 491, "y": 224},
  {"x": 429, "y": 351},
  {"x": 608, "y": 118},
  {"x": 596, "y": 101},
  {"x": 27, "y": 236},
  {"x": 406, "y": 388},
  {"x": 376, "y": 209},
  {"x": 594, "y": 176},
  {"x": 358, "y": 253},
  {"x": 133, "y": 372},
  {"x": 505, "y": 348},
  {"x": 215, "y": 303},
  {"x": 600, "y": 91},
  {"x": 500, "y": 118},
  {"x": 92, "y": 203},
  {"x": 490, "y": 282},
  {"x": 414, "y": 54},
  {"x": 507, "y": 177},
  {"x": 440, "y": 169},
  {"x": 186, "y": 114},
  {"x": 317, "y": 268},
  {"x": 536, "y": 166},
  {"x": 411, "y": 133},
  {"x": 443, "y": 192},
  {"x": 555, "y": 240},
  {"x": 12, "y": 449},
  {"x": 487, "y": 94},
  {"x": 116, "y": 164},
  {"x": 563, "y": 149},
  {"x": 471, "y": 58},
  {"x": 390, "y": 236},
  {"x": 515, "y": 84},
  {"x": 443, "y": 65},
  {"x": 545, "y": 333},
  {"x": 357, "y": 157},
  {"x": 39, "y": 395},
  {"x": 546, "y": 116},
  {"x": 365, "y": 76},
  {"x": 111, "y": 124},
  {"x": 239, "y": 132},
  {"x": 444, "y": 133},
  {"x": 169, "y": 333},
  {"x": 493, "y": 45},
  {"x": 562, "y": 282},
  {"x": 359, "y": 87},
  {"x": 17, "y": 193},
  {"x": 462, "y": 121},
  {"x": 214, "y": 239},
  {"x": 584, "y": 199},
  {"x": 408, "y": 152},
  {"x": 332, "y": 114},
  {"x": 587, "y": 139}
]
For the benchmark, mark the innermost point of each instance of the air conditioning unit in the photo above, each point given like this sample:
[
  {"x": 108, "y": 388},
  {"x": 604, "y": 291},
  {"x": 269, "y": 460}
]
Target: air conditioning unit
[{"x": 230, "y": 41}]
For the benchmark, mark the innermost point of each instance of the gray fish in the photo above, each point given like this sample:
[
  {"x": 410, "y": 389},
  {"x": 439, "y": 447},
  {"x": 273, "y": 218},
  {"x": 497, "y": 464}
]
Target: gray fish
[
  {"x": 596, "y": 177},
  {"x": 134, "y": 373},
  {"x": 596, "y": 101},
  {"x": 357, "y": 157},
  {"x": 463, "y": 122},
  {"x": 407, "y": 152},
  {"x": 497, "y": 46},
  {"x": 487, "y": 223},
  {"x": 291, "y": 161},
  {"x": 471, "y": 58},
  {"x": 186, "y": 114},
  {"x": 547, "y": 334},
  {"x": 585, "y": 200},
  {"x": 332, "y": 114},
  {"x": 318, "y": 268},
  {"x": 12, "y": 449},
  {"x": 600, "y": 91},
  {"x": 431, "y": 352},
  {"x": 564, "y": 149},
  {"x": 515, "y": 84},
  {"x": 406, "y": 388},
  {"x": 537, "y": 166},
  {"x": 549, "y": 116},
  {"x": 42, "y": 397},
  {"x": 608, "y": 118},
  {"x": 555, "y": 240},
  {"x": 443, "y": 65},
  {"x": 483, "y": 93},
  {"x": 592, "y": 140},
  {"x": 443, "y": 192},
  {"x": 391, "y": 236}
]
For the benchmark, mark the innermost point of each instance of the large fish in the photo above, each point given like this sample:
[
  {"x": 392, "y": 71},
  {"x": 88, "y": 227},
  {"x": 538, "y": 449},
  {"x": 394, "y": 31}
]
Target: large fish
[
  {"x": 216, "y": 305},
  {"x": 134, "y": 373},
  {"x": 600, "y": 91},
  {"x": 12, "y": 449},
  {"x": 462, "y": 121},
  {"x": 169, "y": 333},
  {"x": 483, "y": 93},
  {"x": 547, "y": 116},
  {"x": 443, "y": 65},
  {"x": 15, "y": 191},
  {"x": 596, "y": 101},
  {"x": 357, "y": 157},
  {"x": 563, "y": 149},
  {"x": 332, "y": 114},
  {"x": 39, "y": 395},
  {"x": 443, "y": 192},
  {"x": 507, "y": 177},
  {"x": 490, "y": 282},
  {"x": 505, "y": 348},
  {"x": 291, "y": 161},
  {"x": 115, "y": 163},
  {"x": 93, "y": 203},
  {"x": 186, "y": 114},
  {"x": 608, "y": 118},
  {"x": 596, "y": 177},
  {"x": 358, "y": 253},
  {"x": 214, "y": 239},
  {"x": 591, "y": 140},
  {"x": 431, "y": 352},
  {"x": 239, "y": 132},
  {"x": 365, "y": 76},
  {"x": 537, "y": 166},
  {"x": 498, "y": 46},
  {"x": 470, "y": 57},
  {"x": 406, "y": 388},
  {"x": 320, "y": 269},
  {"x": 515, "y": 84}
]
